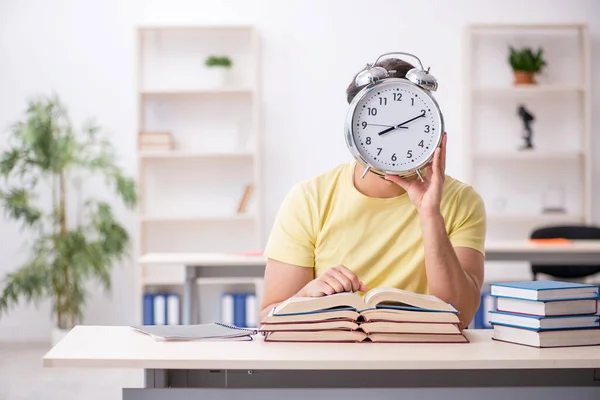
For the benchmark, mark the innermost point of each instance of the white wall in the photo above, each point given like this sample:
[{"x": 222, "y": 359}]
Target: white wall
[{"x": 84, "y": 50}]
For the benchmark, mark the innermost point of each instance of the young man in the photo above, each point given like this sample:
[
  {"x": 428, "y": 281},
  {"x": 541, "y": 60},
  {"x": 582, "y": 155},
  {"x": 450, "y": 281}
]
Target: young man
[{"x": 337, "y": 232}]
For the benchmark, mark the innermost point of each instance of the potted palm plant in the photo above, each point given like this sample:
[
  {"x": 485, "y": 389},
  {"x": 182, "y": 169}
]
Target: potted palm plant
[
  {"x": 76, "y": 238},
  {"x": 218, "y": 68},
  {"x": 525, "y": 64}
]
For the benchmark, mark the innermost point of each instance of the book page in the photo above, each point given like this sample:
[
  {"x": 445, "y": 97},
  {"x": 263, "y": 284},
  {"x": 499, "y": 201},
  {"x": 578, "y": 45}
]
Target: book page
[{"x": 382, "y": 290}]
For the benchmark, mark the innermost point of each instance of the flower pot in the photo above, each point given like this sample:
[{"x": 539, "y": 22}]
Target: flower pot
[
  {"x": 58, "y": 334},
  {"x": 524, "y": 78},
  {"x": 216, "y": 76}
]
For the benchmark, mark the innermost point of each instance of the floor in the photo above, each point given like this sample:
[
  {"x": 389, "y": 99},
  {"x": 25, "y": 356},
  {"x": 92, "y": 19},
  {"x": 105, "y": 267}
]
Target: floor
[{"x": 22, "y": 377}]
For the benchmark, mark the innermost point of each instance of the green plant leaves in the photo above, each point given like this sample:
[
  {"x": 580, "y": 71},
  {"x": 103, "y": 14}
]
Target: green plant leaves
[
  {"x": 66, "y": 255},
  {"x": 526, "y": 60},
  {"x": 218, "y": 61}
]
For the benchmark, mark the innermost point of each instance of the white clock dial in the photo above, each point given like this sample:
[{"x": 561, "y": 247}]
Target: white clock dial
[{"x": 396, "y": 126}]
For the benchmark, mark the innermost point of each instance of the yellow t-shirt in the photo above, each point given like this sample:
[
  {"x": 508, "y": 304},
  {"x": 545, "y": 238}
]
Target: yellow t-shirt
[{"x": 326, "y": 221}]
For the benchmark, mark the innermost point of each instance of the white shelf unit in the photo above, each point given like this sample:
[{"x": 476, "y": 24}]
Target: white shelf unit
[
  {"x": 517, "y": 184},
  {"x": 189, "y": 195}
]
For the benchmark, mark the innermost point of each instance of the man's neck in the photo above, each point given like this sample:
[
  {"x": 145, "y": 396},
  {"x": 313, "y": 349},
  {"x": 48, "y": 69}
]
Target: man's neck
[{"x": 373, "y": 185}]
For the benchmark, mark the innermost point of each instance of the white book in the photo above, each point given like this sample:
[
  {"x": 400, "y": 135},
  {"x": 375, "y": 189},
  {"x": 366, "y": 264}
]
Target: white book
[
  {"x": 251, "y": 312},
  {"x": 554, "y": 338},
  {"x": 159, "y": 309},
  {"x": 562, "y": 307},
  {"x": 172, "y": 309},
  {"x": 227, "y": 309}
]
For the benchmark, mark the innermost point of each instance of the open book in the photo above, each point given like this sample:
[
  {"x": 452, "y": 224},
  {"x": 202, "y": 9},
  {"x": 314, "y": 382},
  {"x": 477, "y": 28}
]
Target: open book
[
  {"x": 382, "y": 315},
  {"x": 378, "y": 298}
]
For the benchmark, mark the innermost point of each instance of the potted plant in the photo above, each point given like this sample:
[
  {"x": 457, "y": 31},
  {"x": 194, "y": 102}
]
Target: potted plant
[
  {"x": 75, "y": 239},
  {"x": 525, "y": 64},
  {"x": 218, "y": 69}
]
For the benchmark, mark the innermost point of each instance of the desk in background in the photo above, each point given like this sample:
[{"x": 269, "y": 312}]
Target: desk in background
[
  {"x": 217, "y": 265},
  {"x": 227, "y": 370},
  {"x": 207, "y": 265}
]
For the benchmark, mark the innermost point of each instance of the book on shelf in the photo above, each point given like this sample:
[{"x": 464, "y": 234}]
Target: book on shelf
[
  {"x": 161, "y": 309},
  {"x": 546, "y": 314},
  {"x": 243, "y": 204},
  {"x": 381, "y": 315},
  {"x": 155, "y": 141},
  {"x": 239, "y": 309},
  {"x": 211, "y": 332}
]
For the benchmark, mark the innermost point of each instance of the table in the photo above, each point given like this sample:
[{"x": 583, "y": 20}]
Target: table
[
  {"x": 185, "y": 370},
  {"x": 198, "y": 265},
  {"x": 205, "y": 265},
  {"x": 580, "y": 252}
]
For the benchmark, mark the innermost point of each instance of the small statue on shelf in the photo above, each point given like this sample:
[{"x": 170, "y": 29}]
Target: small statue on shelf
[{"x": 527, "y": 118}]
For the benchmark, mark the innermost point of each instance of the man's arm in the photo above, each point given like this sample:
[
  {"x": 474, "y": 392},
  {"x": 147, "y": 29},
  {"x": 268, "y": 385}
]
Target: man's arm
[
  {"x": 455, "y": 275},
  {"x": 454, "y": 272},
  {"x": 281, "y": 282}
]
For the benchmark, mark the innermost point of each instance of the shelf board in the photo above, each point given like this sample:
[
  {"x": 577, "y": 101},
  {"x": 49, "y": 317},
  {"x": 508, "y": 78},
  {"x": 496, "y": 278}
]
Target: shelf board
[
  {"x": 228, "y": 281},
  {"x": 533, "y": 217},
  {"x": 198, "y": 219},
  {"x": 195, "y": 92},
  {"x": 179, "y": 154},
  {"x": 526, "y": 89},
  {"x": 527, "y": 155}
]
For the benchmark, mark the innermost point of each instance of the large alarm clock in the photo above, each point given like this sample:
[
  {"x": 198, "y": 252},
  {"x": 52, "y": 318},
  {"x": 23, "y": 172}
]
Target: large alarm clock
[{"x": 394, "y": 125}]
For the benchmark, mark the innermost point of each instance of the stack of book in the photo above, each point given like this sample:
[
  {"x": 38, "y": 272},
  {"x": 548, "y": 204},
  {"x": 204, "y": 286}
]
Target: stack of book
[
  {"x": 382, "y": 315},
  {"x": 546, "y": 313},
  {"x": 151, "y": 141}
]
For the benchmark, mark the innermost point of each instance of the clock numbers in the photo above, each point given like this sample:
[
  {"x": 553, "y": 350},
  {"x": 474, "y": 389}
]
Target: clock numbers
[
  {"x": 379, "y": 150},
  {"x": 368, "y": 141},
  {"x": 383, "y": 101},
  {"x": 409, "y": 154},
  {"x": 426, "y": 128},
  {"x": 397, "y": 96},
  {"x": 412, "y": 101},
  {"x": 372, "y": 111},
  {"x": 421, "y": 143},
  {"x": 422, "y": 113},
  {"x": 364, "y": 124},
  {"x": 394, "y": 158}
]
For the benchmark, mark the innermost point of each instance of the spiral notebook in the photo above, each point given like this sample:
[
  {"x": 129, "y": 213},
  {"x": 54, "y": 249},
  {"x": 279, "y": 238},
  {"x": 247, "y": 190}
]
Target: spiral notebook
[{"x": 215, "y": 331}]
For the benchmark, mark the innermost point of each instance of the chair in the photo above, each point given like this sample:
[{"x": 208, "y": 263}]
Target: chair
[{"x": 573, "y": 232}]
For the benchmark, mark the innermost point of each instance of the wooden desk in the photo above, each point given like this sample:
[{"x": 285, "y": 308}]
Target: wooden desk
[
  {"x": 582, "y": 252},
  {"x": 185, "y": 369}
]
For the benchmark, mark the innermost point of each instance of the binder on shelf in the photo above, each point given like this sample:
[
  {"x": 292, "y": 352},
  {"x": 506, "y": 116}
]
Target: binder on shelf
[
  {"x": 239, "y": 309},
  {"x": 161, "y": 309}
]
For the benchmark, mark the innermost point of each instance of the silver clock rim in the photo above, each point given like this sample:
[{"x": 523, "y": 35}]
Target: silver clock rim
[{"x": 351, "y": 143}]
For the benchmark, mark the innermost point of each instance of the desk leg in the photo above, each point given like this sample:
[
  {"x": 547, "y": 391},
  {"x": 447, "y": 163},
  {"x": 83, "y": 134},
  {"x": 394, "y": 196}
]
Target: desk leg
[{"x": 190, "y": 296}]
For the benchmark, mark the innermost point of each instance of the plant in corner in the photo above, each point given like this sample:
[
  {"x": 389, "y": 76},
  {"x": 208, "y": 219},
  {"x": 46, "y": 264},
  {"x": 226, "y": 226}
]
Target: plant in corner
[
  {"x": 525, "y": 64},
  {"x": 218, "y": 67},
  {"x": 75, "y": 239}
]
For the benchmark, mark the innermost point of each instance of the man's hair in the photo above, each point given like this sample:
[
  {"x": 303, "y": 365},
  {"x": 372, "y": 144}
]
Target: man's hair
[{"x": 390, "y": 64}]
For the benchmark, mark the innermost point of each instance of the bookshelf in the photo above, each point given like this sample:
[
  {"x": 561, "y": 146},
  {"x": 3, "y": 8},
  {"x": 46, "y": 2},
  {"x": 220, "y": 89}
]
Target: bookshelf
[
  {"x": 205, "y": 153},
  {"x": 519, "y": 186},
  {"x": 551, "y": 183}
]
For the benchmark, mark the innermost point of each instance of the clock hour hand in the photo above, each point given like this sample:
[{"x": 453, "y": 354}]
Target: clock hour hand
[
  {"x": 391, "y": 128},
  {"x": 400, "y": 125}
]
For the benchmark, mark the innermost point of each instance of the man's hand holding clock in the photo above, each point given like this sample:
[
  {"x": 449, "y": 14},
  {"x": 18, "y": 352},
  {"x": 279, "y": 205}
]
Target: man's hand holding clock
[{"x": 426, "y": 195}]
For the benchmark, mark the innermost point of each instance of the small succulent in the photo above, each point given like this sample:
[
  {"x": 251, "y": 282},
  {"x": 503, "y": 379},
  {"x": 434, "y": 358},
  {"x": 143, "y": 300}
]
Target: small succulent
[
  {"x": 526, "y": 60},
  {"x": 218, "y": 61}
]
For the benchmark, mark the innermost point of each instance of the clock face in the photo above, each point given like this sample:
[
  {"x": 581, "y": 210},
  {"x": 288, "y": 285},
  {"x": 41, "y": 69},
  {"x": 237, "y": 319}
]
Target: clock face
[{"x": 395, "y": 126}]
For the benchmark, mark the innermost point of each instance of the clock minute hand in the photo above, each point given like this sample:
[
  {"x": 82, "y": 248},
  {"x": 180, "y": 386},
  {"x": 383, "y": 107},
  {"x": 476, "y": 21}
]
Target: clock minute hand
[{"x": 400, "y": 125}]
